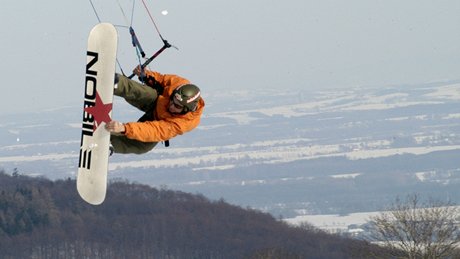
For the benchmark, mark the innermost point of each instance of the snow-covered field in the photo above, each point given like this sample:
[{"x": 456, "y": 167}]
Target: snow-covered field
[
  {"x": 334, "y": 222},
  {"x": 273, "y": 153}
]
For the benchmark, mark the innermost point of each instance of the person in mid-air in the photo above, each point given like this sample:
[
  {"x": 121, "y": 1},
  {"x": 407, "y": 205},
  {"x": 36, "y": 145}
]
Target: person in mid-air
[{"x": 172, "y": 106}]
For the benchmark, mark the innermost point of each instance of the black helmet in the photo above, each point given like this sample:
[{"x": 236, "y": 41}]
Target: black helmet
[{"x": 188, "y": 96}]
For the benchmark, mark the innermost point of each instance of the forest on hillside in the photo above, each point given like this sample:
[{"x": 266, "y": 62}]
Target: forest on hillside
[{"x": 40, "y": 218}]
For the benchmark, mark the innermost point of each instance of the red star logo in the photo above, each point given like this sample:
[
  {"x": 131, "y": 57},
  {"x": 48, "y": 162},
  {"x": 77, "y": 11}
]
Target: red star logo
[{"x": 100, "y": 111}]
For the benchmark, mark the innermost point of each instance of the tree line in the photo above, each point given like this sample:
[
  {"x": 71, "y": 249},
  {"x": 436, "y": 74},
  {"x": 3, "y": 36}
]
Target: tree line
[{"x": 40, "y": 218}]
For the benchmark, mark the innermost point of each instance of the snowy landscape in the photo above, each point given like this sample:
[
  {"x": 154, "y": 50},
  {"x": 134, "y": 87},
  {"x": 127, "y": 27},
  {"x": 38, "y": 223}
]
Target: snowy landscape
[{"x": 292, "y": 154}]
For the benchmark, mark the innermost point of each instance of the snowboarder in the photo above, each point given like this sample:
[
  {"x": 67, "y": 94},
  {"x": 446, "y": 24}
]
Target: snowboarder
[{"x": 172, "y": 106}]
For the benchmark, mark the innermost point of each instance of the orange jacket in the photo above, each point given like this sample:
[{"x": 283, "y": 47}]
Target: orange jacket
[{"x": 166, "y": 125}]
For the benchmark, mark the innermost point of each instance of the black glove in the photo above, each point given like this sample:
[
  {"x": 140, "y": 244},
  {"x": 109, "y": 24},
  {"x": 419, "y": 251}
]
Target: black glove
[{"x": 150, "y": 81}]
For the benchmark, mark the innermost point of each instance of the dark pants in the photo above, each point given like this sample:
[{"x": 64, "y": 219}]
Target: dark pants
[{"x": 142, "y": 97}]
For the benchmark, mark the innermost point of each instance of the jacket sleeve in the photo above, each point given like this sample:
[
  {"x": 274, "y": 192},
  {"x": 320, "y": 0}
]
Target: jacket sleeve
[
  {"x": 162, "y": 130},
  {"x": 155, "y": 131}
]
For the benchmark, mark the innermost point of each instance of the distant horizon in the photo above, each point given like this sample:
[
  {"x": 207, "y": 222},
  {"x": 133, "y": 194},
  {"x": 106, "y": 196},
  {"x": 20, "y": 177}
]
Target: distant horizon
[{"x": 216, "y": 92}]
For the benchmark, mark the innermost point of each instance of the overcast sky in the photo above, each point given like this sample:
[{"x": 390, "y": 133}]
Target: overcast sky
[{"x": 292, "y": 44}]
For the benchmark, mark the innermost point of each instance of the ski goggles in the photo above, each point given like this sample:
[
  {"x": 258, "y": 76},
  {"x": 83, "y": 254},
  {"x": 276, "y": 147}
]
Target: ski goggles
[{"x": 177, "y": 105}]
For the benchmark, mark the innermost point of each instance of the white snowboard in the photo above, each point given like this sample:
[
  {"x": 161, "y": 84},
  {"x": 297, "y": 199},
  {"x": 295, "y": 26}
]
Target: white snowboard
[{"x": 97, "y": 111}]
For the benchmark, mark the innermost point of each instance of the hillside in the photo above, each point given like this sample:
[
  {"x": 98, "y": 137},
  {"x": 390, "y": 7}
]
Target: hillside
[{"x": 41, "y": 218}]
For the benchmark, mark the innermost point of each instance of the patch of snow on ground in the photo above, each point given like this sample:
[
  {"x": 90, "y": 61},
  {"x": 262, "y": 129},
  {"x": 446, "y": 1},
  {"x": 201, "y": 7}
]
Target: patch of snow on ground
[
  {"x": 451, "y": 92},
  {"x": 333, "y": 222},
  {"x": 346, "y": 176}
]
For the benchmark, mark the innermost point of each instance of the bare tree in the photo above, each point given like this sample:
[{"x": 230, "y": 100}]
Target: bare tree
[{"x": 418, "y": 229}]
